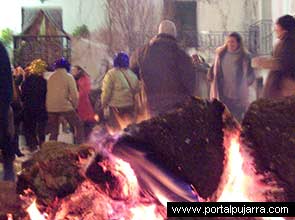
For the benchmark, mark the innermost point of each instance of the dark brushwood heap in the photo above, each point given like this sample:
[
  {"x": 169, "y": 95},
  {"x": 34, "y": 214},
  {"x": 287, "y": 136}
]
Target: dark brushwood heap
[
  {"x": 269, "y": 130},
  {"x": 188, "y": 141},
  {"x": 53, "y": 172}
]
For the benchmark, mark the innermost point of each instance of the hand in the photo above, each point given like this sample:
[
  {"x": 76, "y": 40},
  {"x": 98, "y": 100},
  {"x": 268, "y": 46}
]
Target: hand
[
  {"x": 255, "y": 62},
  {"x": 259, "y": 62}
]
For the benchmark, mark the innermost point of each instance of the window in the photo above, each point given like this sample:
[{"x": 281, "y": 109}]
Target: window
[{"x": 185, "y": 12}]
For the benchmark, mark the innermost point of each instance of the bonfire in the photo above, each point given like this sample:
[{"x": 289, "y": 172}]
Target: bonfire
[{"x": 197, "y": 153}]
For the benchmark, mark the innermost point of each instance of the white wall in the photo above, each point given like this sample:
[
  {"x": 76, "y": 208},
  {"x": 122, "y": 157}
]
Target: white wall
[
  {"x": 75, "y": 13},
  {"x": 282, "y": 7},
  {"x": 211, "y": 16}
]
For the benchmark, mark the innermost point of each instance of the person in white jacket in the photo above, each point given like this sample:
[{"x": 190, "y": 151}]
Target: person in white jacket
[{"x": 62, "y": 101}]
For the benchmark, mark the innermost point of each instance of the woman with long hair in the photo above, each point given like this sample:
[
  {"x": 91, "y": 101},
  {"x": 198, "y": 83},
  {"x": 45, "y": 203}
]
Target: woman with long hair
[
  {"x": 281, "y": 79},
  {"x": 231, "y": 75},
  {"x": 85, "y": 109}
]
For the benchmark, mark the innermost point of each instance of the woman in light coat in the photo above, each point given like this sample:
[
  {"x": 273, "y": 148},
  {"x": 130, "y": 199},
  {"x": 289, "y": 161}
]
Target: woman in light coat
[{"x": 231, "y": 75}]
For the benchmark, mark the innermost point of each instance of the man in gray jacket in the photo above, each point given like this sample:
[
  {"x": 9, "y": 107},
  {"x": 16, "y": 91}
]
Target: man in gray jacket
[{"x": 62, "y": 101}]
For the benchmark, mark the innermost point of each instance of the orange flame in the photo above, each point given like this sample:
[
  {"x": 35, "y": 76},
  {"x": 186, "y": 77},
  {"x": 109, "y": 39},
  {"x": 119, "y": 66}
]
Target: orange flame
[
  {"x": 9, "y": 216},
  {"x": 239, "y": 184},
  {"x": 124, "y": 122},
  {"x": 145, "y": 115},
  {"x": 131, "y": 186},
  {"x": 34, "y": 213},
  {"x": 145, "y": 213},
  {"x": 234, "y": 190}
]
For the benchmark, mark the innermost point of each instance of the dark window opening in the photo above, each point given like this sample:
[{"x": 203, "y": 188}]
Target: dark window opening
[{"x": 185, "y": 12}]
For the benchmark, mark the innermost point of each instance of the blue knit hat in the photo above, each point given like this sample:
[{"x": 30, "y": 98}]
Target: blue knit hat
[
  {"x": 62, "y": 63},
  {"x": 121, "y": 60}
]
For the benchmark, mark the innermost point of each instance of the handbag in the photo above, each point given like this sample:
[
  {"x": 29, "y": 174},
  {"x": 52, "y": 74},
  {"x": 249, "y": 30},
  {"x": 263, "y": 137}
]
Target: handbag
[{"x": 139, "y": 97}]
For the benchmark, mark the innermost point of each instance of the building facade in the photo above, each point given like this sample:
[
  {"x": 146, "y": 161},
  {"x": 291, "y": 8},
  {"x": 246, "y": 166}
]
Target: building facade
[{"x": 205, "y": 23}]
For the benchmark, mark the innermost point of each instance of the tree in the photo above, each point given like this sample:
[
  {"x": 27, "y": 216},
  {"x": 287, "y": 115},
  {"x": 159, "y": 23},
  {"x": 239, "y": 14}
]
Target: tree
[
  {"x": 6, "y": 37},
  {"x": 250, "y": 12},
  {"x": 129, "y": 24},
  {"x": 81, "y": 31}
]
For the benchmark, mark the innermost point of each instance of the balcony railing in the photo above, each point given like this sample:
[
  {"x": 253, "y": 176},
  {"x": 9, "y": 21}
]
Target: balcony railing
[{"x": 258, "y": 39}]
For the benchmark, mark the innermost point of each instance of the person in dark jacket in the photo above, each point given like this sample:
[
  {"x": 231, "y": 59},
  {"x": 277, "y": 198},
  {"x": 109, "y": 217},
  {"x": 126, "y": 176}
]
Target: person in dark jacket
[
  {"x": 281, "y": 79},
  {"x": 33, "y": 94},
  {"x": 5, "y": 100},
  {"x": 201, "y": 70},
  {"x": 16, "y": 106},
  {"x": 165, "y": 69}
]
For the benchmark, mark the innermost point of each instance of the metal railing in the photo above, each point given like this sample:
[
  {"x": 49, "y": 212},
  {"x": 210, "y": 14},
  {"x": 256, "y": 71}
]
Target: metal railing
[
  {"x": 258, "y": 38},
  {"x": 263, "y": 30},
  {"x": 48, "y": 48}
]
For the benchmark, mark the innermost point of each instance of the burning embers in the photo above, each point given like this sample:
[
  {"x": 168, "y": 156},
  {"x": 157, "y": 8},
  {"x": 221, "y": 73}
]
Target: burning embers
[
  {"x": 243, "y": 184},
  {"x": 135, "y": 184},
  {"x": 235, "y": 189},
  {"x": 110, "y": 191},
  {"x": 34, "y": 212}
]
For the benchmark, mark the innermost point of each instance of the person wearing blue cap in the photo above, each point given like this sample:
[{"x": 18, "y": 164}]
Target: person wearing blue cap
[
  {"x": 119, "y": 88},
  {"x": 62, "y": 101}
]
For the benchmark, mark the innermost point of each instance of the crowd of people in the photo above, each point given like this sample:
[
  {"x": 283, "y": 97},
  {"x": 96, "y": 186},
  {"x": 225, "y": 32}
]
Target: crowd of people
[{"x": 160, "y": 70}]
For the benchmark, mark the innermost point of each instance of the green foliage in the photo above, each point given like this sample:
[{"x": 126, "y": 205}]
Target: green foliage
[
  {"x": 6, "y": 37},
  {"x": 42, "y": 1},
  {"x": 81, "y": 31}
]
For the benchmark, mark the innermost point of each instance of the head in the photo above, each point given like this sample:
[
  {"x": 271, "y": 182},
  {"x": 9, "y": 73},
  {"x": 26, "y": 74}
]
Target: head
[
  {"x": 196, "y": 59},
  {"x": 121, "y": 60},
  {"x": 62, "y": 63},
  {"x": 234, "y": 42},
  {"x": 77, "y": 71},
  {"x": 167, "y": 27},
  {"x": 284, "y": 25},
  {"x": 37, "y": 66},
  {"x": 18, "y": 71}
]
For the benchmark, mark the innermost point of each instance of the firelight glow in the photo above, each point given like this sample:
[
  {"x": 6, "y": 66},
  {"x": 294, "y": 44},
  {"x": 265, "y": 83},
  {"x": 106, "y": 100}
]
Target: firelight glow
[
  {"x": 234, "y": 190},
  {"x": 145, "y": 213},
  {"x": 131, "y": 186},
  {"x": 238, "y": 183},
  {"x": 34, "y": 212}
]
